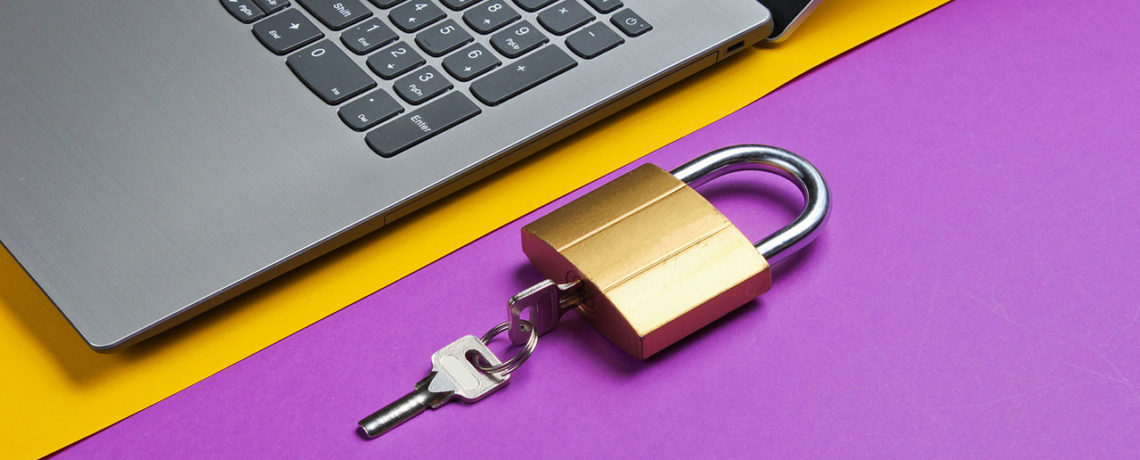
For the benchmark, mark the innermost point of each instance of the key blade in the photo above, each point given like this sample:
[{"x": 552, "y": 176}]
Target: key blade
[{"x": 455, "y": 373}]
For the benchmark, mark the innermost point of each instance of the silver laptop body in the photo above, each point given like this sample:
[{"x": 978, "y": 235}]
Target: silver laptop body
[{"x": 156, "y": 159}]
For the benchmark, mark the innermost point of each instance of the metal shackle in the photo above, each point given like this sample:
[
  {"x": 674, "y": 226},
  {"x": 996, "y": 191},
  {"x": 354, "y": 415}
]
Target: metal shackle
[{"x": 778, "y": 161}]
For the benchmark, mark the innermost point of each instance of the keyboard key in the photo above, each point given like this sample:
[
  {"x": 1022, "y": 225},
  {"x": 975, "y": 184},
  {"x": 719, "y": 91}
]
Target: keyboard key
[
  {"x": 594, "y": 40},
  {"x": 490, "y": 16},
  {"x": 471, "y": 62},
  {"x": 244, "y": 10},
  {"x": 443, "y": 38},
  {"x": 630, "y": 23},
  {"x": 415, "y": 127},
  {"x": 518, "y": 39},
  {"x": 386, "y": 3},
  {"x": 605, "y": 6},
  {"x": 533, "y": 5},
  {"x": 284, "y": 33},
  {"x": 422, "y": 85},
  {"x": 337, "y": 14},
  {"x": 564, "y": 17},
  {"x": 369, "y": 110},
  {"x": 269, "y": 6},
  {"x": 459, "y": 4},
  {"x": 416, "y": 15},
  {"x": 367, "y": 36},
  {"x": 395, "y": 60},
  {"x": 329, "y": 72},
  {"x": 521, "y": 75}
]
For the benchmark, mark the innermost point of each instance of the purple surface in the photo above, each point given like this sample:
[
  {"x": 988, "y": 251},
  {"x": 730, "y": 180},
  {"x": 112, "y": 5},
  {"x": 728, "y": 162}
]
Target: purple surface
[{"x": 974, "y": 293}]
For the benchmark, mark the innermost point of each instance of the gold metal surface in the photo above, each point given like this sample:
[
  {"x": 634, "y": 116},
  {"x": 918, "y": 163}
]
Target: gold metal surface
[{"x": 658, "y": 260}]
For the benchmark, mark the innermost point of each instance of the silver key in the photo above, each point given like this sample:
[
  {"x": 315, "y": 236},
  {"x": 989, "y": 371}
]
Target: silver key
[
  {"x": 452, "y": 376},
  {"x": 547, "y": 302}
]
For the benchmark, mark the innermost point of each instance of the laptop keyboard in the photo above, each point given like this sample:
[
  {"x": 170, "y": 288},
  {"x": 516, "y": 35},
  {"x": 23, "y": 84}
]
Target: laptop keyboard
[{"x": 485, "y": 52}]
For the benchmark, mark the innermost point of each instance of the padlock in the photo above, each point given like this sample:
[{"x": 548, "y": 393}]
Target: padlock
[{"x": 656, "y": 260}]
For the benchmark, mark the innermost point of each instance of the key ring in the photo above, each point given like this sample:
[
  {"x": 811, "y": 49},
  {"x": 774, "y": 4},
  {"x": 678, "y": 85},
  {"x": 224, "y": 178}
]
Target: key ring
[{"x": 519, "y": 358}]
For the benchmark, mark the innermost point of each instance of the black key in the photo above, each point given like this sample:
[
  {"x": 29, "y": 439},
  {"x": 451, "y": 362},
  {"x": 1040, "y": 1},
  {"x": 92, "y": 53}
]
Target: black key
[
  {"x": 533, "y": 5},
  {"x": 564, "y": 17},
  {"x": 416, "y": 15},
  {"x": 592, "y": 41},
  {"x": 244, "y": 10},
  {"x": 605, "y": 6},
  {"x": 422, "y": 85},
  {"x": 518, "y": 39},
  {"x": 395, "y": 60},
  {"x": 337, "y": 14},
  {"x": 330, "y": 73},
  {"x": 386, "y": 3},
  {"x": 367, "y": 36},
  {"x": 413, "y": 128},
  {"x": 490, "y": 16},
  {"x": 471, "y": 62},
  {"x": 630, "y": 23},
  {"x": 369, "y": 110},
  {"x": 521, "y": 75},
  {"x": 459, "y": 4},
  {"x": 443, "y": 38},
  {"x": 283, "y": 33},
  {"x": 269, "y": 6}
]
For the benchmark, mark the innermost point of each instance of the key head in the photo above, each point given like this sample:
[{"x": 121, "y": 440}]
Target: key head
[{"x": 453, "y": 372}]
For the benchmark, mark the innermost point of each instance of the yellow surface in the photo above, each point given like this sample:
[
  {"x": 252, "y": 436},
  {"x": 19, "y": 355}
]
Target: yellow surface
[{"x": 55, "y": 391}]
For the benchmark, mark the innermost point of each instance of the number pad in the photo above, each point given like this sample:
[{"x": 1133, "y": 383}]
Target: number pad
[
  {"x": 395, "y": 60},
  {"x": 490, "y": 16},
  {"x": 518, "y": 39},
  {"x": 443, "y": 38},
  {"x": 592, "y": 41},
  {"x": 564, "y": 17},
  {"x": 368, "y": 36},
  {"x": 422, "y": 85},
  {"x": 471, "y": 62},
  {"x": 415, "y": 15}
]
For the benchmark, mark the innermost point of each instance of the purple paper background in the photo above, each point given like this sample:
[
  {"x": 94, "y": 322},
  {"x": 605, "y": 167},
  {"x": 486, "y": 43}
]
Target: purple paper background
[{"x": 974, "y": 294}]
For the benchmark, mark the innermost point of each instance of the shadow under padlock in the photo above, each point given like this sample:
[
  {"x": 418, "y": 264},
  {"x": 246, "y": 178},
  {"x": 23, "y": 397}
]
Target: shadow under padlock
[{"x": 648, "y": 261}]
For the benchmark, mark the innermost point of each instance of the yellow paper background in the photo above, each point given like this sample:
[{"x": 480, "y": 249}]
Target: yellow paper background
[{"x": 54, "y": 390}]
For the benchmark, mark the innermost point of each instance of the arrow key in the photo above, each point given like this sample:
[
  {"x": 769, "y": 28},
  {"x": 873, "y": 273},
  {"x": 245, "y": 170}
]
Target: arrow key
[
  {"x": 395, "y": 60},
  {"x": 490, "y": 16},
  {"x": 470, "y": 62},
  {"x": 287, "y": 31},
  {"x": 368, "y": 36}
]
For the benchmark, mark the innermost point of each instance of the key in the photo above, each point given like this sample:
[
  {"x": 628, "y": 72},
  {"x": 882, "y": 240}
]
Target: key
[
  {"x": 337, "y": 14},
  {"x": 395, "y": 60},
  {"x": 284, "y": 33},
  {"x": 269, "y": 6},
  {"x": 518, "y": 39},
  {"x": 367, "y": 36},
  {"x": 386, "y": 3},
  {"x": 471, "y": 62},
  {"x": 490, "y": 16},
  {"x": 330, "y": 73},
  {"x": 452, "y": 376},
  {"x": 370, "y": 110},
  {"x": 244, "y": 10},
  {"x": 533, "y": 5},
  {"x": 443, "y": 38},
  {"x": 594, "y": 40},
  {"x": 547, "y": 302},
  {"x": 521, "y": 75},
  {"x": 422, "y": 85},
  {"x": 564, "y": 17},
  {"x": 605, "y": 6},
  {"x": 459, "y": 4},
  {"x": 414, "y": 16},
  {"x": 630, "y": 23},
  {"x": 411, "y": 129}
]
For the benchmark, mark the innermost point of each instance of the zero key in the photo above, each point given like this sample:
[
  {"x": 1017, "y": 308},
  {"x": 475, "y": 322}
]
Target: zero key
[{"x": 326, "y": 70}]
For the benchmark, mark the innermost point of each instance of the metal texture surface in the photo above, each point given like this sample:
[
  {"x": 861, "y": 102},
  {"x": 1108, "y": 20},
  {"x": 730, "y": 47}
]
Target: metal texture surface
[
  {"x": 817, "y": 197},
  {"x": 657, "y": 260},
  {"x": 547, "y": 301},
  {"x": 156, "y": 160}
]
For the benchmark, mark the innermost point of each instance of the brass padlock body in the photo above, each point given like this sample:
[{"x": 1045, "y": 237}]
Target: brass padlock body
[{"x": 657, "y": 260}]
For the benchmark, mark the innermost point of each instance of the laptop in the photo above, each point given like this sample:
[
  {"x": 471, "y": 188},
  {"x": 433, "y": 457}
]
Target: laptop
[{"x": 159, "y": 158}]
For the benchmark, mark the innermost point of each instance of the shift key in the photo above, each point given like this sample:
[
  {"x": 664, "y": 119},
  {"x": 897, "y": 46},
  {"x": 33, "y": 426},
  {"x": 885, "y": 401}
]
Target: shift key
[{"x": 411, "y": 129}]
